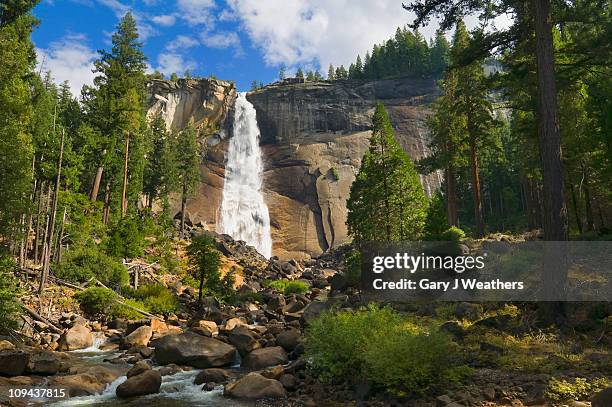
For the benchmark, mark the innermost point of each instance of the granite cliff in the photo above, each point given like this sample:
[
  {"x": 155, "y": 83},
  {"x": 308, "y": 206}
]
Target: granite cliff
[{"x": 313, "y": 136}]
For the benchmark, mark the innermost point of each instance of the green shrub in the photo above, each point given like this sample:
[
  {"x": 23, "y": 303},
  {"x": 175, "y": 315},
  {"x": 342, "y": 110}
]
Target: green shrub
[
  {"x": 296, "y": 287},
  {"x": 126, "y": 239},
  {"x": 436, "y": 223},
  {"x": 121, "y": 311},
  {"x": 580, "y": 389},
  {"x": 96, "y": 301},
  {"x": 379, "y": 345},
  {"x": 353, "y": 268},
  {"x": 453, "y": 234},
  {"x": 156, "y": 298},
  {"x": 287, "y": 286},
  {"x": 10, "y": 308},
  {"x": 85, "y": 263}
]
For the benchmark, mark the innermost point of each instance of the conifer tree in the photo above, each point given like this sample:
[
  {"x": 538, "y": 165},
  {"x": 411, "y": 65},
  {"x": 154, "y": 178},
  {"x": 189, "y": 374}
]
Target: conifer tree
[
  {"x": 188, "y": 168},
  {"x": 282, "y": 72},
  {"x": 331, "y": 73},
  {"x": 299, "y": 73},
  {"x": 386, "y": 202}
]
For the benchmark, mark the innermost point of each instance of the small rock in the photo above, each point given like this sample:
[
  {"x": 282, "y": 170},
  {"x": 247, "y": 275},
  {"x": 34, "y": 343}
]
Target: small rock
[
  {"x": 603, "y": 398},
  {"x": 288, "y": 381},
  {"x": 489, "y": 393},
  {"x": 264, "y": 357},
  {"x": 138, "y": 368},
  {"x": 244, "y": 340},
  {"x": 139, "y": 337},
  {"x": 147, "y": 382},
  {"x": 6, "y": 345},
  {"x": 206, "y": 328},
  {"x": 442, "y": 401},
  {"x": 232, "y": 323},
  {"x": 288, "y": 339},
  {"x": 212, "y": 375}
]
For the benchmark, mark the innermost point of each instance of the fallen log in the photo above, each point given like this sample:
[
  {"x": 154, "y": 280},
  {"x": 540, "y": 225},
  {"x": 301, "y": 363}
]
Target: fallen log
[{"x": 37, "y": 317}]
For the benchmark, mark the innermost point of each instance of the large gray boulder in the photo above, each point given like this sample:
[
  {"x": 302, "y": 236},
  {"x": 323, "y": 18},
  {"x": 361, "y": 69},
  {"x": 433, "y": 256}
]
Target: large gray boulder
[
  {"x": 13, "y": 362},
  {"x": 194, "y": 350},
  {"x": 265, "y": 357},
  {"x": 254, "y": 386}
]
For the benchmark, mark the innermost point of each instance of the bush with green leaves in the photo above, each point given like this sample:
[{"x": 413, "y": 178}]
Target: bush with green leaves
[
  {"x": 126, "y": 239},
  {"x": 156, "y": 298},
  {"x": 561, "y": 391},
  {"x": 353, "y": 268},
  {"x": 288, "y": 287},
  {"x": 96, "y": 301},
  {"x": 10, "y": 307},
  {"x": 84, "y": 263},
  {"x": 436, "y": 222},
  {"x": 453, "y": 234},
  {"x": 379, "y": 345}
]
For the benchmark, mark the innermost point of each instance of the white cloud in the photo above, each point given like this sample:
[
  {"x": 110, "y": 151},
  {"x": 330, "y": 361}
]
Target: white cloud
[
  {"x": 165, "y": 20},
  {"x": 182, "y": 42},
  {"x": 221, "y": 40},
  {"x": 69, "y": 59},
  {"x": 298, "y": 32},
  {"x": 174, "y": 63},
  {"x": 197, "y": 12}
]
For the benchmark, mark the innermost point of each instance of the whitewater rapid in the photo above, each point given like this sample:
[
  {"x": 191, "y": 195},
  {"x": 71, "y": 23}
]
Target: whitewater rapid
[{"x": 244, "y": 213}]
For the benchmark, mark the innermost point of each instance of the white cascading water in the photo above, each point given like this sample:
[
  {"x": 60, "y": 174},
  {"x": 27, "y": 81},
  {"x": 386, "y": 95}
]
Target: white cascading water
[{"x": 244, "y": 214}]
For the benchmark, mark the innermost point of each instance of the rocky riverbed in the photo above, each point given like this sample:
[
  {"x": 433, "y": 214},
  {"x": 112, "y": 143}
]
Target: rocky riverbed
[{"x": 249, "y": 354}]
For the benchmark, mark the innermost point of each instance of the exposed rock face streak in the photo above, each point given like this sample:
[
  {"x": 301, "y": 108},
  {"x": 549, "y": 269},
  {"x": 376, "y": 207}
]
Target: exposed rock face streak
[{"x": 313, "y": 137}]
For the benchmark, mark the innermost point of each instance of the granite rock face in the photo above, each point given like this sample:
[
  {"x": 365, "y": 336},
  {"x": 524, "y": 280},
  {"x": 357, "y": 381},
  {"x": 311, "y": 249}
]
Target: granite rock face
[{"x": 313, "y": 136}]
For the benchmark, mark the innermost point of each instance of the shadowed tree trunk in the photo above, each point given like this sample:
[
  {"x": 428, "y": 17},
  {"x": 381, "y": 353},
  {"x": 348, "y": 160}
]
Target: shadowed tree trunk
[
  {"x": 451, "y": 196},
  {"x": 554, "y": 215},
  {"x": 96, "y": 184}
]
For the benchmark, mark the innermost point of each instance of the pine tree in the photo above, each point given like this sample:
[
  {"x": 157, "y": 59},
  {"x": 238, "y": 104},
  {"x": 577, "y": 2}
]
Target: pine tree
[
  {"x": 188, "y": 169},
  {"x": 386, "y": 202},
  {"x": 358, "y": 67},
  {"x": 282, "y": 72},
  {"x": 310, "y": 77},
  {"x": 299, "y": 73},
  {"x": 160, "y": 171},
  {"x": 318, "y": 76},
  {"x": 331, "y": 73},
  {"x": 116, "y": 107},
  {"x": 16, "y": 149},
  {"x": 254, "y": 85}
]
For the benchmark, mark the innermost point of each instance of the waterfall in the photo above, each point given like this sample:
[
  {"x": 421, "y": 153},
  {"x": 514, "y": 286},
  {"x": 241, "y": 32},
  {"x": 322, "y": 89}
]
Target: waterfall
[{"x": 244, "y": 214}]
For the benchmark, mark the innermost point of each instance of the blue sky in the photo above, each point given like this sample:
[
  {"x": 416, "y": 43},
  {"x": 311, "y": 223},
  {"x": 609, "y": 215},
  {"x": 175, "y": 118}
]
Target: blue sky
[{"x": 239, "y": 40}]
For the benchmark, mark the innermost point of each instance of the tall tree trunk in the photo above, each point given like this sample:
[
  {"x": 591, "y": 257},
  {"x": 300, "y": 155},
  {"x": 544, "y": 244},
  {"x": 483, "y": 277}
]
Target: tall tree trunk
[
  {"x": 58, "y": 249},
  {"x": 590, "y": 219},
  {"x": 98, "y": 178},
  {"x": 37, "y": 229},
  {"x": 554, "y": 216},
  {"x": 183, "y": 208},
  {"x": 555, "y": 212},
  {"x": 451, "y": 196},
  {"x": 476, "y": 188},
  {"x": 107, "y": 200},
  {"x": 124, "y": 204},
  {"x": 575, "y": 205},
  {"x": 49, "y": 244}
]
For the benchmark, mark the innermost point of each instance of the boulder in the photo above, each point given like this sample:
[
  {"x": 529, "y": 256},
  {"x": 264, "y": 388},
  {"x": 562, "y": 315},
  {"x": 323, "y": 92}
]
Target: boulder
[
  {"x": 244, "y": 340},
  {"x": 254, "y": 386},
  {"x": 77, "y": 337},
  {"x": 147, "y": 382},
  {"x": 206, "y": 328},
  {"x": 44, "y": 363},
  {"x": 288, "y": 339},
  {"x": 232, "y": 323},
  {"x": 158, "y": 326},
  {"x": 264, "y": 357},
  {"x": 138, "y": 368},
  {"x": 139, "y": 337},
  {"x": 13, "y": 362},
  {"x": 194, "y": 350},
  {"x": 288, "y": 381},
  {"x": 6, "y": 345},
  {"x": 603, "y": 398},
  {"x": 212, "y": 375}
]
